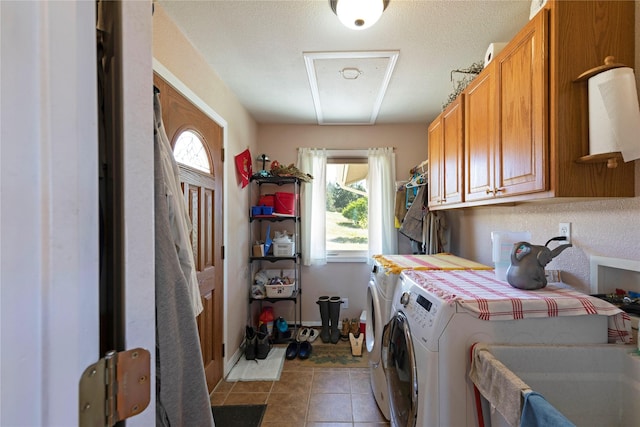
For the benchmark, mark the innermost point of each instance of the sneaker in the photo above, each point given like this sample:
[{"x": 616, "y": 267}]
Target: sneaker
[
  {"x": 313, "y": 334},
  {"x": 263, "y": 346},
  {"x": 250, "y": 343},
  {"x": 303, "y": 334}
]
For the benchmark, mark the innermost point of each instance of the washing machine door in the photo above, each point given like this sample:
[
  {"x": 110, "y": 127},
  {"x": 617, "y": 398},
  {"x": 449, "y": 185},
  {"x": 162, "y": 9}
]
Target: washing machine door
[{"x": 399, "y": 362}]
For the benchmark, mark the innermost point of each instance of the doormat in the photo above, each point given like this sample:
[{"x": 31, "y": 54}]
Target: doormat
[
  {"x": 327, "y": 355},
  {"x": 259, "y": 370},
  {"x": 238, "y": 415}
]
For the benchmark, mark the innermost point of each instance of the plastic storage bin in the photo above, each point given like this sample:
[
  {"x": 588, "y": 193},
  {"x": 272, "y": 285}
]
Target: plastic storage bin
[
  {"x": 280, "y": 290},
  {"x": 284, "y": 249},
  {"x": 285, "y": 203}
]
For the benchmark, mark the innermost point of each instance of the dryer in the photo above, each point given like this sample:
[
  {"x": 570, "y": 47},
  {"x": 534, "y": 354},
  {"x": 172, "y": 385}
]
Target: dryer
[
  {"x": 380, "y": 291},
  {"x": 427, "y": 343}
]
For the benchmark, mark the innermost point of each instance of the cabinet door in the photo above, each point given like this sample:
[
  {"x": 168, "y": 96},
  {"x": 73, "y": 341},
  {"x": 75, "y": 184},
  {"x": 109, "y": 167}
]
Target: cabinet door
[
  {"x": 480, "y": 136},
  {"x": 522, "y": 96},
  {"x": 436, "y": 162},
  {"x": 453, "y": 139}
]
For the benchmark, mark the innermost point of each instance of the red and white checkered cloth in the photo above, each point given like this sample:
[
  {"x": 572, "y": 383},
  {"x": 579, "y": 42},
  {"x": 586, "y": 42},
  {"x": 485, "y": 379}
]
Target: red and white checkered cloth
[{"x": 481, "y": 294}]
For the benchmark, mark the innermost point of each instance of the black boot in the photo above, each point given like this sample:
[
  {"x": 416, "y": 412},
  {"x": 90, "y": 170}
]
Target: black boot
[
  {"x": 323, "y": 302},
  {"x": 250, "y": 343},
  {"x": 263, "y": 346},
  {"x": 334, "y": 317}
]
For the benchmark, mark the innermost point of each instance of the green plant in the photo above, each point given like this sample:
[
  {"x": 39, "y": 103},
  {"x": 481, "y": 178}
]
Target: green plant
[{"x": 357, "y": 211}]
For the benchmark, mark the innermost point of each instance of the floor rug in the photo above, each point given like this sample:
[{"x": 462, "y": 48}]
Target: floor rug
[
  {"x": 259, "y": 370},
  {"x": 238, "y": 415},
  {"x": 327, "y": 355}
]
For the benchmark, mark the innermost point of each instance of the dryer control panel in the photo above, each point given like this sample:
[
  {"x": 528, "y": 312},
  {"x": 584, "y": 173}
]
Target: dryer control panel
[{"x": 426, "y": 313}]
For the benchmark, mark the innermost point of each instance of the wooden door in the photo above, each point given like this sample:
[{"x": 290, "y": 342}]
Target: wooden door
[
  {"x": 479, "y": 136},
  {"x": 522, "y": 118},
  {"x": 203, "y": 195}
]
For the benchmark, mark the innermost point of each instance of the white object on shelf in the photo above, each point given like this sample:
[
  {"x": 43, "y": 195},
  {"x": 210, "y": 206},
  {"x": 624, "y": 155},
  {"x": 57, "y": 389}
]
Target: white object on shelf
[
  {"x": 284, "y": 249},
  {"x": 280, "y": 290}
]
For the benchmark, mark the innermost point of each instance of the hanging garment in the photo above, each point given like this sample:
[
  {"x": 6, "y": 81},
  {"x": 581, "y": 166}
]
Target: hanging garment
[
  {"x": 433, "y": 237},
  {"x": 412, "y": 223},
  {"x": 178, "y": 216},
  {"x": 182, "y": 398}
]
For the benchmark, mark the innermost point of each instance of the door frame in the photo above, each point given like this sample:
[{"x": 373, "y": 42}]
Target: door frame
[{"x": 177, "y": 84}]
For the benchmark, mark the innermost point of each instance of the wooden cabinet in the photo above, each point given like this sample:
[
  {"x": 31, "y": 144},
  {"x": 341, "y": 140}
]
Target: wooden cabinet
[
  {"x": 526, "y": 118},
  {"x": 521, "y": 153},
  {"x": 445, "y": 156},
  {"x": 480, "y": 136}
]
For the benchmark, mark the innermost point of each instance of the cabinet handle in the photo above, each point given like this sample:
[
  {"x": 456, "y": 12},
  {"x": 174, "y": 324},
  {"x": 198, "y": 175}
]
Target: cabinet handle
[
  {"x": 499, "y": 190},
  {"x": 489, "y": 190}
]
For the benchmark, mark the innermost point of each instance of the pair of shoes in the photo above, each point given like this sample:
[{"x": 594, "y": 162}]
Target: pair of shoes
[
  {"x": 250, "y": 343},
  {"x": 298, "y": 349},
  {"x": 263, "y": 346},
  {"x": 307, "y": 334},
  {"x": 356, "y": 344},
  {"x": 346, "y": 327}
]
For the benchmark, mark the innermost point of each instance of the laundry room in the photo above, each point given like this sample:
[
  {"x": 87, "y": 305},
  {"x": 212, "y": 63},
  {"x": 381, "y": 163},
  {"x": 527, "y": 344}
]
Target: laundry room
[
  {"x": 397, "y": 205},
  {"x": 598, "y": 202}
]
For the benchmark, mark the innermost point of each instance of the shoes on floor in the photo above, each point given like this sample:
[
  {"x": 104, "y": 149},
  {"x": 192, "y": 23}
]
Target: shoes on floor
[
  {"x": 304, "y": 351},
  {"x": 263, "y": 346},
  {"x": 346, "y": 327},
  {"x": 303, "y": 335},
  {"x": 313, "y": 334},
  {"x": 292, "y": 350},
  {"x": 250, "y": 343}
]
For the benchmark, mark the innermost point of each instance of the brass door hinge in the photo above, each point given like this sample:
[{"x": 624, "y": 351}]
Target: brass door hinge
[{"x": 114, "y": 388}]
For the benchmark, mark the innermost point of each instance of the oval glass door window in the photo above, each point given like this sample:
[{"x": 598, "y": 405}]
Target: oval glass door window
[{"x": 190, "y": 151}]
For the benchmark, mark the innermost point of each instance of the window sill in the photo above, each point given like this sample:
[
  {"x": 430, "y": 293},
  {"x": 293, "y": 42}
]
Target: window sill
[{"x": 347, "y": 257}]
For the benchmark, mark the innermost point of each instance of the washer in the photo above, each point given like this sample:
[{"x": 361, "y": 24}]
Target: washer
[
  {"x": 427, "y": 343},
  {"x": 380, "y": 291}
]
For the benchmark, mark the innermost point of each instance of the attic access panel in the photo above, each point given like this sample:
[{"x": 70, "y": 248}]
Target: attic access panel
[{"x": 348, "y": 87}]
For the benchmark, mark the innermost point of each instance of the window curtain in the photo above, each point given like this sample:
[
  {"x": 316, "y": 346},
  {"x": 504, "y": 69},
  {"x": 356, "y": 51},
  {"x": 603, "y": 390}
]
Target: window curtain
[
  {"x": 382, "y": 194},
  {"x": 314, "y": 162}
]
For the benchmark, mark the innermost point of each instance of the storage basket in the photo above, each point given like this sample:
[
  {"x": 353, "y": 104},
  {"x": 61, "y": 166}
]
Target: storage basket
[
  {"x": 284, "y": 249},
  {"x": 280, "y": 290},
  {"x": 285, "y": 203},
  {"x": 267, "y": 200}
]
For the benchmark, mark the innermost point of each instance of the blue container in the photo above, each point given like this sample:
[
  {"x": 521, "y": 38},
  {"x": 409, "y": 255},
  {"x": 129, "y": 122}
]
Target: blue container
[
  {"x": 267, "y": 210},
  {"x": 256, "y": 210}
]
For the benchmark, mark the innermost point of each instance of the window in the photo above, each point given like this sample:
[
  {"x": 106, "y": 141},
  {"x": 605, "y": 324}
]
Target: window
[
  {"x": 377, "y": 182},
  {"x": 347, "y": 216},
  {"x": 189, "y": 150}
]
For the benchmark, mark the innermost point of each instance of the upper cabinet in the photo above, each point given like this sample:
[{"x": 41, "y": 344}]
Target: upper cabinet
[
  {"x": 445, "y": 144},
  {"x": 526, "y": 118}
]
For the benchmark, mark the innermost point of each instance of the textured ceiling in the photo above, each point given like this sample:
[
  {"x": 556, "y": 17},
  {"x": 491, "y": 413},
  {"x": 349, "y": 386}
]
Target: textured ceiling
[{"x": 258, "y": 49}]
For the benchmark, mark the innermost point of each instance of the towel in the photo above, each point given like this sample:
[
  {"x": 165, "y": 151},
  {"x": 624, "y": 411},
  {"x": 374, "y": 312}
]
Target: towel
[
  {"x": 482, "y": 295},
  {"x": 499, "y": 385},
  {"x": 537, "y": 412}
]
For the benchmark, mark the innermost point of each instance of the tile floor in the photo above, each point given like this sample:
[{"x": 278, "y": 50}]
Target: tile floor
[{"x": 308, "y": 397}]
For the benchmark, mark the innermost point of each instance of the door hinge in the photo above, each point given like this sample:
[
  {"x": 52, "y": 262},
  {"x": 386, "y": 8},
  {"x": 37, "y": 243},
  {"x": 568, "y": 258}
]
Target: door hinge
[
  {"x": 114, "y": 388},
  {"x": 222, "y": 252},
  {"x": 223, "y": 350},
  {"x": 222, "y": 155}
]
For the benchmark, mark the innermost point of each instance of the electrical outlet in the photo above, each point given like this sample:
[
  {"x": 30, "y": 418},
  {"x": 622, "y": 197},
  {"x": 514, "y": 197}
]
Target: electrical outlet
[
  {"x": 345, "y": 302},
  {"x": 565, "y": 230}
]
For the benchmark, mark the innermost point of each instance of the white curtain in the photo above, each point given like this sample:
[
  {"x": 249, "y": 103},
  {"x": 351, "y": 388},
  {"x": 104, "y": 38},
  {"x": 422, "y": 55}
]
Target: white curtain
[
  {"x": 313, "y": 161},
  {"x": 382, "y": 193}
]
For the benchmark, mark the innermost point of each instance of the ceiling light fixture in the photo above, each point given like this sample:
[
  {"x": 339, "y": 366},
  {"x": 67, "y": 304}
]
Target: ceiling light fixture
[
  {"x": 350, "y": 73},
  {"x": 358, "y": 14}
]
